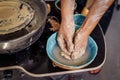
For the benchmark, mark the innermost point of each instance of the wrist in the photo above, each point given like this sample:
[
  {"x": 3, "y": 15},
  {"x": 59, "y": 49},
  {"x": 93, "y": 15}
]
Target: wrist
[
  {"x": 67, "y": 18},
  {"x": 67, "y": 24},
  {"x": 84, "y": 31}
]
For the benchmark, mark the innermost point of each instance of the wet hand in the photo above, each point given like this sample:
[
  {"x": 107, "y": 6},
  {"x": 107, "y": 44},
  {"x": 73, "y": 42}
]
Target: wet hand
[
  {"x": 80, "y": 44},
  {"x": 65, "y": 38}
]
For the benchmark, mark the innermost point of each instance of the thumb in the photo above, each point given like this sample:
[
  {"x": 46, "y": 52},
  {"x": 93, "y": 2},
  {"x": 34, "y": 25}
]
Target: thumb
[
  {"x": 62, "y": 44},
  {"x": 70, "y": 45}
]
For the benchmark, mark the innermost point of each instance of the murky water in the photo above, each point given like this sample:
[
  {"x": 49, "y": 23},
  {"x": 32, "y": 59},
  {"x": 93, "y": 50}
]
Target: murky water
[{"x": 76, "y": 62}]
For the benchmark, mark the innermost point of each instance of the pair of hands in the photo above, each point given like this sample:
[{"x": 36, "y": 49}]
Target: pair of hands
[{"x": 72, "y": 43}]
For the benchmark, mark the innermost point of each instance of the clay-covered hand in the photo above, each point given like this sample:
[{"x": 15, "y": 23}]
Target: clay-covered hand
[
  {"x": 65, "y": 38},
  {"x": 80, "y": 44}
]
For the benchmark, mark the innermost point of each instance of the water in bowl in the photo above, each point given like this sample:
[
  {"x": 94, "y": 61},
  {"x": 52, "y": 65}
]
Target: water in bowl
[{"x": 76, "y": 62}]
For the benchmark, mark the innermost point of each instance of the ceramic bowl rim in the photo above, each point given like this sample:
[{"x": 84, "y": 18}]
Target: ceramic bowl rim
[{"x": 72, "y": 67}]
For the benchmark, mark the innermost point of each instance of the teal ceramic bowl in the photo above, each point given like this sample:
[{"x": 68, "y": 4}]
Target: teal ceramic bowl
[
  {"x": 57, "y": 4},
  {"x": 92, "y": 48},
  {"x": 78, "y": 20}
]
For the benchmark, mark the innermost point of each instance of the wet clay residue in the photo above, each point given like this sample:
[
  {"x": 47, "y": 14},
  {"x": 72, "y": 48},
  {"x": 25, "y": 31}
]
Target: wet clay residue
[{"x": 13, "y": 15}]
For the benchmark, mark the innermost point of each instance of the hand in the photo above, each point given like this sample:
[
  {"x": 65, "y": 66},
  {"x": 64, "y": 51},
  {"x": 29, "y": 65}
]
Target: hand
[
  {"x": 80, "y": 44},
  {"x": 65, "y": 38}
]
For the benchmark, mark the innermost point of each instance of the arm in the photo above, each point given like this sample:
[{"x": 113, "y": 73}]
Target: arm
[
  {"x": 66, "y": 31},
  {"x": 67, "y": 9},
  {"x": 96, "y": 12}
]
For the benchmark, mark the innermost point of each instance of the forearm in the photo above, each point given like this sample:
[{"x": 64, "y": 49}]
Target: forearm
[
  {"x": 96, "y": 12},
  {"x": 67, "y": 9}
]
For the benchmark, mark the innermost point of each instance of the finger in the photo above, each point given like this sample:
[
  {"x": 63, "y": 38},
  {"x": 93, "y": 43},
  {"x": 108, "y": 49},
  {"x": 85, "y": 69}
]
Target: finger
[
  {"x": 78, "y": 45},
  {"x": 65, "y": 55},
  {"x": 70, "y": 45},
  {"x": 62, "y": 44},
  {"x": 77, "y": 54}
]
